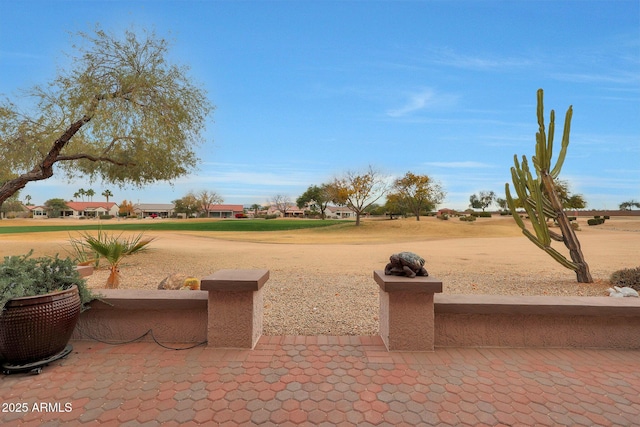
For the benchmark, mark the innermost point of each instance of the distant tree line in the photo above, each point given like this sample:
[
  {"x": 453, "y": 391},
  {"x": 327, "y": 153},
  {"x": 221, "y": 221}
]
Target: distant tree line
[{"x": 360, "y": 191}]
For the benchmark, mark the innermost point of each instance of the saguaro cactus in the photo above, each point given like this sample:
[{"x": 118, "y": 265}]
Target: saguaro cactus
[{"x": 540, "y": 199}]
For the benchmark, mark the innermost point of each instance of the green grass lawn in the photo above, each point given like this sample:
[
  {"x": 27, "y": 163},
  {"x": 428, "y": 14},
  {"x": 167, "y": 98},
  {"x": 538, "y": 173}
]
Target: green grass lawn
[{"x": 185, "y": 225}]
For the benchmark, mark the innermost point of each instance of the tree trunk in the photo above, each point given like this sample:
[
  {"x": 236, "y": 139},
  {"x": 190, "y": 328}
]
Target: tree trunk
[
  {"x": 113, "y": 281},
  {"x": 568, "y": 233},
  {"x": 44, "y": 169}
]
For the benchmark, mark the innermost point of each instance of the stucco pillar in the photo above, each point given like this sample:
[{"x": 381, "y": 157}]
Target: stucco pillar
[
  {"x": 235, "y": 307},
  {"x": 406, "y": 311}
]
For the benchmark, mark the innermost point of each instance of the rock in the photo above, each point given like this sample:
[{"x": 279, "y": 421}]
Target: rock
[
  {"x": 174, "y": 281},
  {"x": 618, "y": 292},
  {"x": 191, "y": 283},
  {"x": 177, "y": 281}
]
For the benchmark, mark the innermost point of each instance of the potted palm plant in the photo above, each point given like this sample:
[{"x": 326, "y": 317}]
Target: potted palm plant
[{"x": 40, "y": 302}]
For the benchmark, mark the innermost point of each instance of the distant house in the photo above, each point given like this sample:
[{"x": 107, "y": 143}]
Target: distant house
[
  {"x": 90, "y": 209},
  {"x": 339, "y": 212},
  {"x": 292, "y": 211},
  {"x": 14, "y": 210},
  {"x": 331, "y": 212},
  {"x": 78, "y": 210},
  {"x": 154, "y": 210},
  {"x": 38, "y": 211},
  {"x": 295, "y": 212},
  {"x": 446, "y": 211},
  {"x": 225, "y": 211}
]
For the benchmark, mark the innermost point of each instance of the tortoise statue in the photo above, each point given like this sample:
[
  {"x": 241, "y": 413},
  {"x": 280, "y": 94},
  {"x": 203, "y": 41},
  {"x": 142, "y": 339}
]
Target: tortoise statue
[{"x": 406, "y": 264}]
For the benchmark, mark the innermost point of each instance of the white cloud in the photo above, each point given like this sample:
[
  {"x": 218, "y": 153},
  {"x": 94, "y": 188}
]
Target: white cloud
[
  {"x": 424, "y": 99},
  {"x": 444, "y": 56}
]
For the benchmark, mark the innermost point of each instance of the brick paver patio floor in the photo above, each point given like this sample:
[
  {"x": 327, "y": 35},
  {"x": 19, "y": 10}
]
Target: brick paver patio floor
[{"x": 326, "y": 381}]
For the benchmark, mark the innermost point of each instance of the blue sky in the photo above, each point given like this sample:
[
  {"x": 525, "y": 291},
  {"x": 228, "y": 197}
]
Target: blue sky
[{"x": 307, "y": 90}]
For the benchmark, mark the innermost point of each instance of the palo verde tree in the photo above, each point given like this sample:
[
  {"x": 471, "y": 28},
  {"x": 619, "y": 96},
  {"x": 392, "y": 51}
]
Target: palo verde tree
[
  {"x": 482, "y": 200},
  {"x": 417, "y": 192},
  {"x": 540, "y": 196},
  {"x": 120, "y": 112},
  {"x": 358, "y": 191},
  {"x": 629, "y": 205},
  {"x": 569, "y": 201},
  {"x": 188, "y": 205}
]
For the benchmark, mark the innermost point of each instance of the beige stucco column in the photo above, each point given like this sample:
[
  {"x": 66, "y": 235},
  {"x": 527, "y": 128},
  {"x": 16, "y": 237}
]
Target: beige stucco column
[
  {"x": 406, "y": 311},
  {"x": 85, "y": 270},
  {"x": 235, "y": 307}
]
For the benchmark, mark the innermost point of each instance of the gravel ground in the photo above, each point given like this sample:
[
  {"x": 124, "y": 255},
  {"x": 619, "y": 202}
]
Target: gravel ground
[{"x": 329, "y": 289}]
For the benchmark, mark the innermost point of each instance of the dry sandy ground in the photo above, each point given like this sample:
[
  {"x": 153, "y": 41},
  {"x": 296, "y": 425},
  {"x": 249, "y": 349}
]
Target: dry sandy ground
[{"x": 321, "y": 280}]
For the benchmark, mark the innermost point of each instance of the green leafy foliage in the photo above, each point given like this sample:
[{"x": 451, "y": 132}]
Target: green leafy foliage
[
  {"x": 481, "y": 214},
  {"x": 316, "y": 197},
  {"x": 482, "y": 200},
  {"x": 23, "y": 276},
  {"x": 188, "y": 205},
  {"x": 629, "y": 205},
  {"x": 120, "y": 111},
  {"x": 595, "y": 221},
  {"x": 416, "y": 194},
  {"x": 55, "y": 207}
]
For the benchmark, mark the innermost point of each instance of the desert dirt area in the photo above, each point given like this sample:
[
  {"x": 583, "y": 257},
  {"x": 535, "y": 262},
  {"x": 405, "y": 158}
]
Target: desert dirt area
[{"x": 321, "y": 280}]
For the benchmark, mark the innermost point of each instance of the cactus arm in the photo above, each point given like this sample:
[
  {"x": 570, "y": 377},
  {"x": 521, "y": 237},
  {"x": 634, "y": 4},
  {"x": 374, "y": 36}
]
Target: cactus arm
[
  {"x": 541, "y": 136},
  {"x": 551, "y": 251},
  {"x": 565, "y": 143},
  {"x": 523, "y": 181},
  {"x": 548, "y": 208},
  {"x": 555, "y": 236},
  {"x": 552, "y": 129},
  {"x": 542, "y": 230},
  {"x": 512, "y": 206},
  {"x": 518, "y": 177}
]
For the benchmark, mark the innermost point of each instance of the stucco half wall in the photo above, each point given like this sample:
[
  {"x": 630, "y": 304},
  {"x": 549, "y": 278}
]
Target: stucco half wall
[
  {"x": 511, "y": 321},
  {"x": 460, "y": 320}
]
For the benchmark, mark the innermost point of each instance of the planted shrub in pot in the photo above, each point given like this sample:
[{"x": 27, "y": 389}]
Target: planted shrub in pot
[{"x": 40, "y": 302}]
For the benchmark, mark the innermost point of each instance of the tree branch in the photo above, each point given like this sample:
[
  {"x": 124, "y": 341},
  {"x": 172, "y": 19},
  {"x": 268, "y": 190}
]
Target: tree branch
[
  {"x": 44, "y": 169},
  {"x": 94, "y": 159}
]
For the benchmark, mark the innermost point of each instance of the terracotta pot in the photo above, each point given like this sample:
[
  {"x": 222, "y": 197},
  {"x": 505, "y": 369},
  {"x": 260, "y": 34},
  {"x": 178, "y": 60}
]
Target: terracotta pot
[{"x": 38, "y": 327}]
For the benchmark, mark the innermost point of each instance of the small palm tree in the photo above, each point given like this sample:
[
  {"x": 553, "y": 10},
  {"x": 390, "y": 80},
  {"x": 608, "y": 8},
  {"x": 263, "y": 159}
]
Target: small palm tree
[
  {"x": 255, "y": 207},
  {"x": 113, "y": 249},
  {"x": 107, "y": 194}
]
